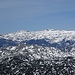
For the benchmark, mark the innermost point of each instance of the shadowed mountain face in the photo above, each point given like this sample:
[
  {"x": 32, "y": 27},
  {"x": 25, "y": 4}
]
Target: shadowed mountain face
[
  {"x": 40, "y": 42},
  {"x": 7, "y": 42},
  {"x": 62, "y": 45}
]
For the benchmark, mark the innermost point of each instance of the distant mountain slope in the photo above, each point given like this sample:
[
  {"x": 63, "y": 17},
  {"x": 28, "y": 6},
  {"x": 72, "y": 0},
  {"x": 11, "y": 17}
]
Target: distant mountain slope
[
  {"x": 52, "y": 35},
  {"x": 63, "y": 40},
  {"x": 7, "y": 42}
]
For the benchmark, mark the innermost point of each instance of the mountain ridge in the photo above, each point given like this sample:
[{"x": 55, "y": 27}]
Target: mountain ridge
[
  {"x": 40, "y": 34},
  {"x": 60, "y": 39}
]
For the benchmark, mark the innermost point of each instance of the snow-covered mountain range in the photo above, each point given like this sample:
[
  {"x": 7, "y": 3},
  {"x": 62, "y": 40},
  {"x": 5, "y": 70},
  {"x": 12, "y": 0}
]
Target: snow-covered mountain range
[
  {"x": 60, "y": 42},
  {"x": 52, "y": 35},
  {"x": 38, "y": 52}
]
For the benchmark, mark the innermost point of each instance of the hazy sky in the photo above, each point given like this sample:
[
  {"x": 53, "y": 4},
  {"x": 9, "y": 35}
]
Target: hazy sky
[{"x": 33, "y": 15}]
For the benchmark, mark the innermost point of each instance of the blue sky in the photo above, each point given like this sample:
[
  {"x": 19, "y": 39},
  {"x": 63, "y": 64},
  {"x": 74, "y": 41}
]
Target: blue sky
[{"x": 35, "y": 15}]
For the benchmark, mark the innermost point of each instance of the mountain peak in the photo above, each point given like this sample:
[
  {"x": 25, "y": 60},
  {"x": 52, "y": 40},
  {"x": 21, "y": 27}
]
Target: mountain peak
[{"x": 51, "y": 34}]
